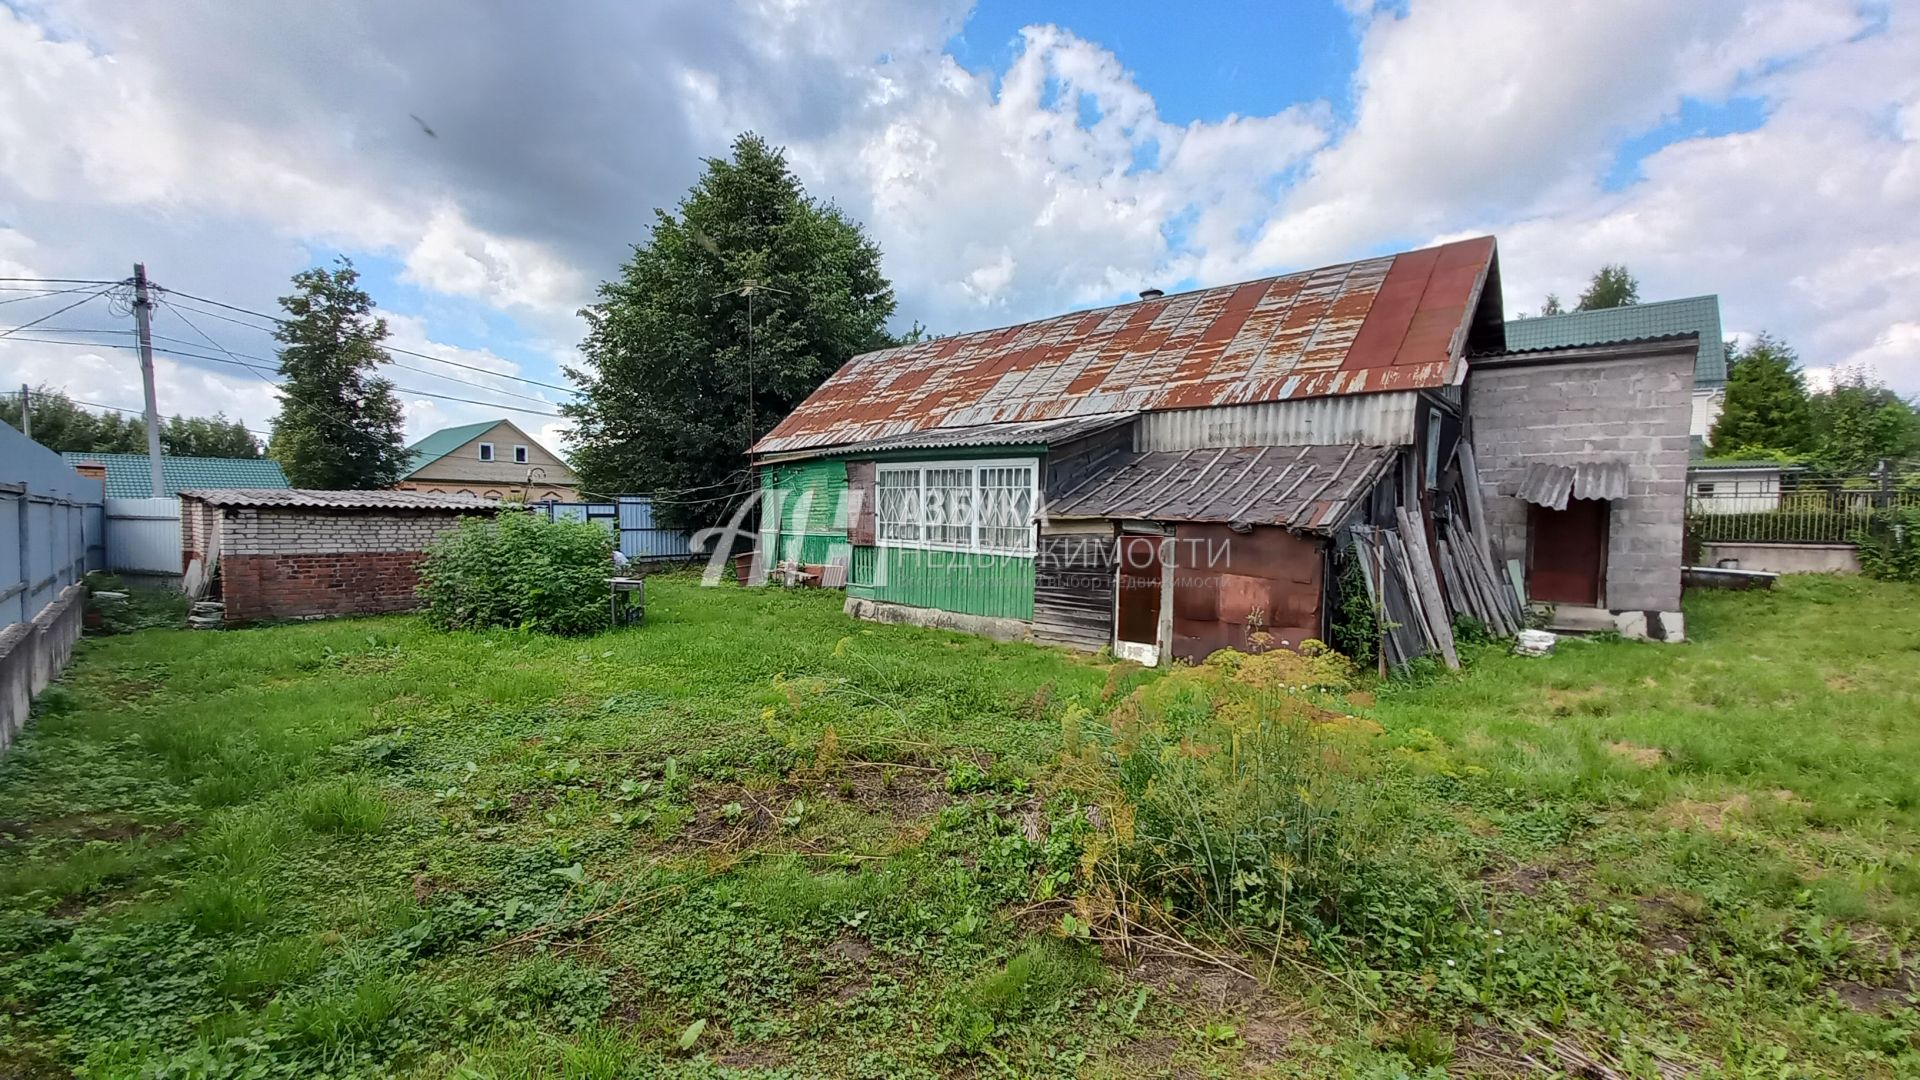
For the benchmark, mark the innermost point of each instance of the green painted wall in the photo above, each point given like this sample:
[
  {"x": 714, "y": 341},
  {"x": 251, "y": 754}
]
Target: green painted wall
[
  {"x": 810, "y": 496},
  {"x": 995, "y": 585}
]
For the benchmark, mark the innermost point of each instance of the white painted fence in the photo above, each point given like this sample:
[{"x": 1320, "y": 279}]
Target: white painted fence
[{"x": 143, "y": 536}]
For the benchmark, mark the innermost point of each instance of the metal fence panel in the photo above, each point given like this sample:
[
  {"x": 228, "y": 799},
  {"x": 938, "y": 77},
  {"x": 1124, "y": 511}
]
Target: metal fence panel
[
  {"x": 143, "y": 535},
  {"x": 641, "y": 538},
  {"x": 50, "y": 526},
  {"x": 630, "y": 518},
  {"x": 1797, "y": 510}
]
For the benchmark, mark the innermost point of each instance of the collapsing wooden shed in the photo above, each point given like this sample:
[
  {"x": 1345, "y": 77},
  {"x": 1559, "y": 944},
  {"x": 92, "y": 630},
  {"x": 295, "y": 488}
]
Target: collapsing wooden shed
[{"x": 1163, "y": 478}]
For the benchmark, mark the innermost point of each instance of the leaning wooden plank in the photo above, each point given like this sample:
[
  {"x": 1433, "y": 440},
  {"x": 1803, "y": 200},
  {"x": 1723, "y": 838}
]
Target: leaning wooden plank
[
  {"x": 1458, "y": 601},
  {"x": 1424, "y": 579},
  {"x": 1500, "y": 588},
  {"x": 1416, "y": 606},
  {"x": 1486, "y": 607},
  {"x": 1476, "y": 499}
]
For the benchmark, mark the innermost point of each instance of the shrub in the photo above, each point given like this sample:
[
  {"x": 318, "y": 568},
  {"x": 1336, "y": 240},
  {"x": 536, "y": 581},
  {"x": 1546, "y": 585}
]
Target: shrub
[
  {"x": 519, "y": 570},
  {"x": 1891, "y": 552},
  {"x": 1235, "y": 796}
]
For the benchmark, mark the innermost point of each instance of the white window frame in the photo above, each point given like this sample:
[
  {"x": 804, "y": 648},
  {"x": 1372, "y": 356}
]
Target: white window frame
[
  {"x": 973, "y": 546},
  {"x": 520, "y": 454},
  {"x": 486, "y": 451}
]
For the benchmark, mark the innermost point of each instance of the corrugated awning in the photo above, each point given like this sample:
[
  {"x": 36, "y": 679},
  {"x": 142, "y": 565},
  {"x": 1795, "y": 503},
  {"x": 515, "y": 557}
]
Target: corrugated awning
[
  {"x": 1305, "y": 488},
  {"x": 1551, "y": 485}
]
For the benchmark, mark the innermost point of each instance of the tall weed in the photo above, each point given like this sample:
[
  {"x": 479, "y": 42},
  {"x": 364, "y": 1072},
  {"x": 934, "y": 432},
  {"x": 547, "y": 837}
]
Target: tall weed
[{"x": 1238, "y": 796}]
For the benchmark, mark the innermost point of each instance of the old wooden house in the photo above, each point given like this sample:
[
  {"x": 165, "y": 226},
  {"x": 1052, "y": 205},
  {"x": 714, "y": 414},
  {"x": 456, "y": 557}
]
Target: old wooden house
[{"x": 1165, "y": 477}]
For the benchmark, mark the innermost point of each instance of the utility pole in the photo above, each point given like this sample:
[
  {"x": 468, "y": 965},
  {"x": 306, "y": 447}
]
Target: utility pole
[
  {"x": 143, "y": 324},
  {"x": 26, "y": 411}
]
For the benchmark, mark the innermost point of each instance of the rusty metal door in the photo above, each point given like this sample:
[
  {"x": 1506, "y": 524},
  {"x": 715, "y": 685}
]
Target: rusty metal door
[
  {"x": 1137, "y": 620},
  {"x": 1567, "y": 552}
]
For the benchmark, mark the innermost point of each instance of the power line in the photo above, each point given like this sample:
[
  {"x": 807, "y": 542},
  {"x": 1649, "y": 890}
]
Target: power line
[
  {"x": 275, "y": 319},
  {"x": 232, "y": 359},
  {"x": 37, "y": 294},
  {"x": 51, "y": 314},
  {"x": 66, "y": 280}
]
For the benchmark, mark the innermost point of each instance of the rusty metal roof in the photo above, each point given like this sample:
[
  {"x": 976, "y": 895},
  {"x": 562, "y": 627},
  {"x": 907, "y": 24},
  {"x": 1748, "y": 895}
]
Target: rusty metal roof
[
  {"x": 1028, "y": 433},
  {"x": 1305, "y": 488},
  {"x": 319, "y": 499},
  {"x": 1550, "y": 485},
  {"x": 1398, "y": 322}
]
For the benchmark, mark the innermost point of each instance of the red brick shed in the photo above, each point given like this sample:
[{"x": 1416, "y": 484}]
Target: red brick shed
[{"x": 300, "y": 553}]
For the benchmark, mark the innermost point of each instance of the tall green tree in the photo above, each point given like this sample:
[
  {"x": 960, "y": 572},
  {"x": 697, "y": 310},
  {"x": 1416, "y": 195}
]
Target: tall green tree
[
  {"x": 1612, "y": 286},
  {"x": 673, "y": 391},
  {"x": 340, "y": 425},
  {"x": 1552, "y": 306},
  {"x": 61, "y": 424},
  {"x": 206, "y": 436},
  {"x": 1766, "y": 406},
  {"x": 1857, "y": 423}
]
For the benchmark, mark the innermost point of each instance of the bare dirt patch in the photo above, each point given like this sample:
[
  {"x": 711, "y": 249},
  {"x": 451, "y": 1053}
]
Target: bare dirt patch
[
  {"x": 1529, "y": 878},
  {"x": 1644, "y": 756},
  {"x": 732, "y": 814},
  {"x": 1878, "y": 1000},
  {"x": 84, "y": 827},
  {"x": 1266, "y": 1025},
  {"x": 1663, "y": 926}
]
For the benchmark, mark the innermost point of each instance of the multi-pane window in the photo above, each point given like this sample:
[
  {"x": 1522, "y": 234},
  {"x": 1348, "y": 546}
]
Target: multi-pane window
[
  {"x": 958, "y": 506},
  {"x": 898, "y": 512},
  {"x": 1006, "y": 507}
]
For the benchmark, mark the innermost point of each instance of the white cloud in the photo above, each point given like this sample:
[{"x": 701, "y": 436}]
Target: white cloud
[{"x": 228, "y": 142}]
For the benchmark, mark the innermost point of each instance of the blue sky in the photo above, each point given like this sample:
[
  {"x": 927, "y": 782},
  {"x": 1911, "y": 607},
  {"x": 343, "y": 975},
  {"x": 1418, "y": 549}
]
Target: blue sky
[{"x": 1013, "y": 160}]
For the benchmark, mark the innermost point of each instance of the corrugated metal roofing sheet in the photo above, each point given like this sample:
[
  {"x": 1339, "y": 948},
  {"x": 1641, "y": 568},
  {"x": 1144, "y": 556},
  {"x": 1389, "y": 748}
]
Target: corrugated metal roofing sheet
[
  {"x": 1307, "y": 488},
  {"x": 1393, "y": 323},
  {"x": 130, "y": 477},
  {"x": 1551, "y": 485},
  {"x": 1036, "y": 433},
  {"x": 315, "y": 498},
  {"x": 1662, "y": 318}
]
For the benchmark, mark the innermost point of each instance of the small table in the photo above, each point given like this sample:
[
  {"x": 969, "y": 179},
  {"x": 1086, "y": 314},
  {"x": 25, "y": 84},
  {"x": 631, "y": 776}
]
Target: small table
[{"x": 627, "y": 600}]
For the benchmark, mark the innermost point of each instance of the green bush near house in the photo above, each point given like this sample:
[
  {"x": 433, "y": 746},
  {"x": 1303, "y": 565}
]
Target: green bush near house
[
  {"x": 1891, "y": 552},
  {"x": 518, "y": 570}
]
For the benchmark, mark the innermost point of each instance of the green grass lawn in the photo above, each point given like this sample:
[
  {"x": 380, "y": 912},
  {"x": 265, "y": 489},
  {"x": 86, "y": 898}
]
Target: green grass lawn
[{"x": 755, "y": 838}]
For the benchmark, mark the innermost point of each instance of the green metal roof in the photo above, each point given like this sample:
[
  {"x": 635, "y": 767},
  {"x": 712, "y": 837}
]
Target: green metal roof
[
  {"x": 444, "y": 442},
  {"x": 1695, "y": 314},
  {"x": 130, "y": 477}
]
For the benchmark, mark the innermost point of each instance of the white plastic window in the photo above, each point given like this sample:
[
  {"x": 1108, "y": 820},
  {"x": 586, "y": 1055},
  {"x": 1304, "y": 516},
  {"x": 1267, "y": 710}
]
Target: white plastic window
[
  {"x": 984, "y": 506},
  {"x": 519, "y": 455},
  {"x": 898, "y": 513},
  {"x": 486, "y": 451}
]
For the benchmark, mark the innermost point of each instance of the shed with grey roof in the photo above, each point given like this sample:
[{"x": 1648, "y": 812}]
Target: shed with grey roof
[{"x": 301, "y": 553}]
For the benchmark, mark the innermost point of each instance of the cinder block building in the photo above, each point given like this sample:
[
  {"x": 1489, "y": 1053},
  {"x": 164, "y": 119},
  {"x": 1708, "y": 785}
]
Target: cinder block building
[
  {"x": 297, "y": 553},
  {"x": 1583, "y": 467}
]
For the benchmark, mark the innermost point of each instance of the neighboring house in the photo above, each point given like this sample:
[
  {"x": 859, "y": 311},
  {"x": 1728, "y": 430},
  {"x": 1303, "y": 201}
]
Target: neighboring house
[
  {"x": 493, "y": 459},
  {"x": 129, "y": 476},
  {"x": 1737, "y": 487},
  {"x": 1165, "y": 477},
  {"x": 1662, "y": 318}
]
